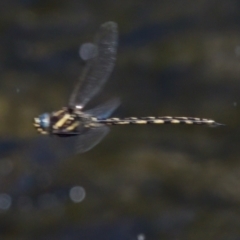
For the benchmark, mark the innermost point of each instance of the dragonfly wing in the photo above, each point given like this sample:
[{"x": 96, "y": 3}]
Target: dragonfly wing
[
  {"x": 50, "y": 150},
  {"x": 90, "y": 138},
  {"x": 99, "y": 67},
  {"x": 105, "y": 110}
]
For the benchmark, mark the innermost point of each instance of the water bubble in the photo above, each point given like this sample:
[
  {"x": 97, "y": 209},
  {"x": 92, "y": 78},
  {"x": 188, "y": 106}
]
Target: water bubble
[
  {"x": 88, "y": 51},
  {"x": 77, "y": 194},
  {"x": 235, "y": 104},
  {"x": 5, "y": 201}
]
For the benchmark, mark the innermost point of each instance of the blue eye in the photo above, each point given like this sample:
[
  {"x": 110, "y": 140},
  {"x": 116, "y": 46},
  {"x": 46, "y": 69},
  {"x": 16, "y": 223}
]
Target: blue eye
[{"x": 44, "y": 120}]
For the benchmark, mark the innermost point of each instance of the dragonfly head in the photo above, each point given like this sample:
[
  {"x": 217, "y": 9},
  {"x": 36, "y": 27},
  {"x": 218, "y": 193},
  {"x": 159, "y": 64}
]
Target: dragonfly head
[{"x": 42, "y": 123}]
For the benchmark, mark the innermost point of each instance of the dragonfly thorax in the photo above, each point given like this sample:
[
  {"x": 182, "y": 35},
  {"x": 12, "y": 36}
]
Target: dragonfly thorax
[{"x": 65, "y": 122}]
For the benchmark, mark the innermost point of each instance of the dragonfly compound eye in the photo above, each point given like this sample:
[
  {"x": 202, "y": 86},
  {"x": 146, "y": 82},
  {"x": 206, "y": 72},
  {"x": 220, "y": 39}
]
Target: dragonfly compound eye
[{"x": 44, "y": 120}]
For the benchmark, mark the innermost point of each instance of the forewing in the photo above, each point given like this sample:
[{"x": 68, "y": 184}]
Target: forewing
[
  {"x": 50, "y": 150},
  {"x": 98, "y": 68},
  {"x": 105, "y": 110}
]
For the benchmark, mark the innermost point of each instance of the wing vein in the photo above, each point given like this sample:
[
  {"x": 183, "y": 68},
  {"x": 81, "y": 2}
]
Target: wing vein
[{"x": 98, "y": 68}]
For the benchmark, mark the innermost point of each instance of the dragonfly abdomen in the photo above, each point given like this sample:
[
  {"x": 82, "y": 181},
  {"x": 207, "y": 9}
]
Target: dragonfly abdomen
[{"x": 158, "y": 120}]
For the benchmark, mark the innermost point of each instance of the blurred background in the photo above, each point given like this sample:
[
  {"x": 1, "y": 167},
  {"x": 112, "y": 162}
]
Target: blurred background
[{"x": 141, "y": 182}]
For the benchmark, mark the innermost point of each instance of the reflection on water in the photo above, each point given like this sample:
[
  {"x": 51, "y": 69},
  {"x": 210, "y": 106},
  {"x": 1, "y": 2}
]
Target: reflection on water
[{"x": 77, "y": 194}]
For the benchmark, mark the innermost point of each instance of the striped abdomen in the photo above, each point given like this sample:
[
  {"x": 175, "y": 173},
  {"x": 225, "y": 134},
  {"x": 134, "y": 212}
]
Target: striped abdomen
[{"x": 159, "y": 120}]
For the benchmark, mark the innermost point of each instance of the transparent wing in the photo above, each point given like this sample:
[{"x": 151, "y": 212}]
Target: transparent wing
[
  {"x": 90, "y": 138},
  {"x": 99, "y": 67},
  {"x": 105, "y": 110},
  {"x": 47, "y": 151}
]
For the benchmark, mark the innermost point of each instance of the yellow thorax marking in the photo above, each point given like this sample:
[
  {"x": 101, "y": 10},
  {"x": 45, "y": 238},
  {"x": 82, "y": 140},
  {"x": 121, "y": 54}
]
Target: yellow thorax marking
[
  {"x": 58, "y": 113},
  {"x": 73, "y": 126},
  {"x": 61, "y": 122}
]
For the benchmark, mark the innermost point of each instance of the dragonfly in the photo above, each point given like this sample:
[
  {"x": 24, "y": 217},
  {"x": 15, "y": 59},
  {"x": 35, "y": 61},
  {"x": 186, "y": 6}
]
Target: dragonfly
[{"x": 89, "y": 127}]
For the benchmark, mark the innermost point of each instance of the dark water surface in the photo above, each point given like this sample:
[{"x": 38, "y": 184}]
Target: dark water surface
[{"x": 141, "y": 182}]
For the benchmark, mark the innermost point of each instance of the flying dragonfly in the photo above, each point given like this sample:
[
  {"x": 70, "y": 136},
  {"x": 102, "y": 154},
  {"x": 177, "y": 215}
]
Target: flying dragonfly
[{"x": 91, "y": 126}]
